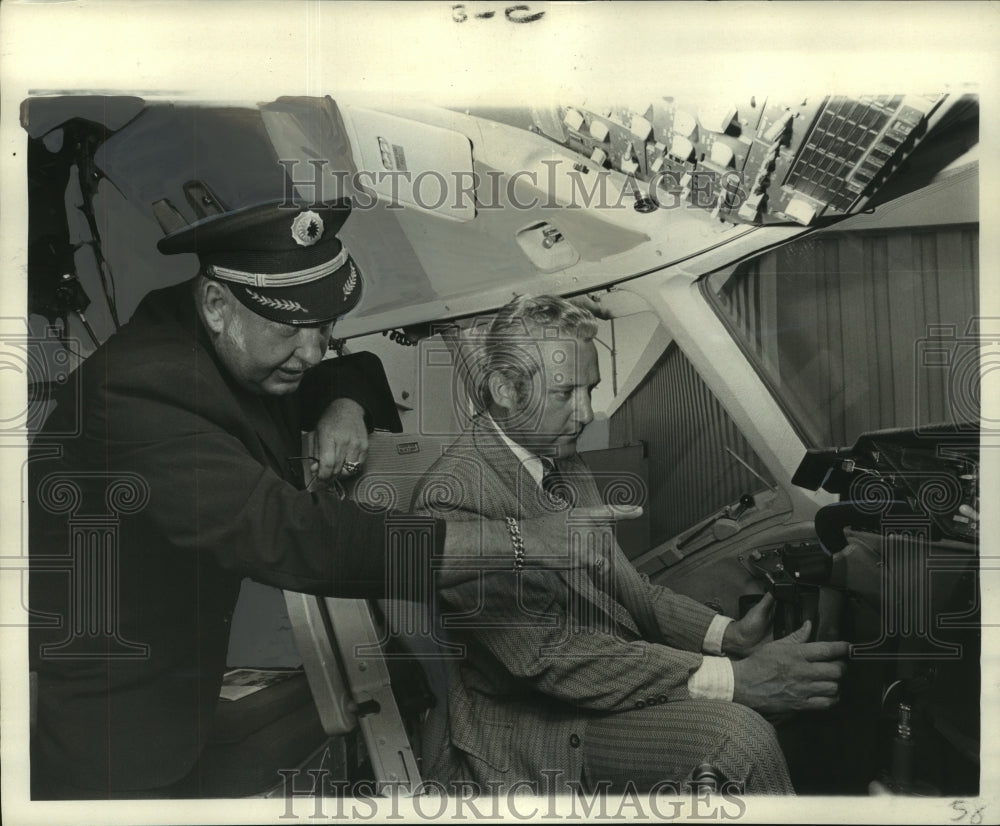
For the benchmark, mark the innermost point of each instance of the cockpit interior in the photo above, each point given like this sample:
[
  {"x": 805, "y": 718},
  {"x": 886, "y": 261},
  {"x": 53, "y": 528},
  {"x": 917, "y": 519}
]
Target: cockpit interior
[{"x": 790, "y": 339}]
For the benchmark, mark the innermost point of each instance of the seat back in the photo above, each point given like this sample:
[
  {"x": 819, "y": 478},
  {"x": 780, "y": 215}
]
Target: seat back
[
  {"x": 343, "y": 645},
  {"x": 321, "y": 660}
]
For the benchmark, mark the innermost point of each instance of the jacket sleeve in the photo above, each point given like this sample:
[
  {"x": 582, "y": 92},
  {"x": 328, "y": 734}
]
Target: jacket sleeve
[
  {"x": 664, "y": 615},
  {"x": 359, "y": 376},
  {"x": 209, "y": 493},
  {"x": 679, "y": 619},
  {"x": 532, "y": 624}
]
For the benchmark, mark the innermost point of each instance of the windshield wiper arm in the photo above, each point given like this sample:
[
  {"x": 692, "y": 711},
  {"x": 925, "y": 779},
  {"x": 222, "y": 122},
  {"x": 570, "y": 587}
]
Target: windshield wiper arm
[{"x": 733, "y": 453}]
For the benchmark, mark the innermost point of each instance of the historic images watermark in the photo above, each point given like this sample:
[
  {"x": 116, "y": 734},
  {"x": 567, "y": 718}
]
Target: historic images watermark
[
  {"x": 949, "y": 363},
  {"x": 45, "y": 364},
  {"x": 559, "y": 184},
  {"x": 89, "y": 505},
  {"x": 313, "y": 794}
]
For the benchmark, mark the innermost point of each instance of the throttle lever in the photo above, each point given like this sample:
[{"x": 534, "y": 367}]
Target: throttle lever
[{"x": 795, "y": 575}]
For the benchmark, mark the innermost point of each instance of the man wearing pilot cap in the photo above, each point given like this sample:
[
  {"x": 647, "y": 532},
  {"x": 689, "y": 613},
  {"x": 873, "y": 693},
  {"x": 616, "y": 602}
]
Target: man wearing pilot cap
[
  {"x": 286, "y": 269},
  {"x": 186, "y": 435},
  {"x": 251, "y": 250}
]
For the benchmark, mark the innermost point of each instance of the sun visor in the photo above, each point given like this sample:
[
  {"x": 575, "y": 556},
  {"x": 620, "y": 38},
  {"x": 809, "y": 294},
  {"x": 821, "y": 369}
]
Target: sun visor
[
  {"x": 309, "y": 135},
  {"x": 412, "y": 164},
  {"x": 167, "y": 147}
]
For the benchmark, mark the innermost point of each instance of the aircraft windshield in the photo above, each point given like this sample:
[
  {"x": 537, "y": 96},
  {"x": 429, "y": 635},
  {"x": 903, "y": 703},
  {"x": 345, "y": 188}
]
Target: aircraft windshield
[{"x": 862, "y": 328}]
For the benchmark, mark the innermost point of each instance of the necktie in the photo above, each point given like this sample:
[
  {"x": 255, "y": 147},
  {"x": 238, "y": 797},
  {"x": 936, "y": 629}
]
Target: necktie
[{"x": 553, "y": 482}]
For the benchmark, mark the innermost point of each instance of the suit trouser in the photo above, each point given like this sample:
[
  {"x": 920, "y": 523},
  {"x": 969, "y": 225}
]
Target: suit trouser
[{"x": 667, "y": 743}]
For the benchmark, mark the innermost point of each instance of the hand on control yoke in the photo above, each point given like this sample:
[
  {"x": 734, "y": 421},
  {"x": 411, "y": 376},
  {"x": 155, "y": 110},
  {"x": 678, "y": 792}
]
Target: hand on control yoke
[{"x": 791, "y": 674}]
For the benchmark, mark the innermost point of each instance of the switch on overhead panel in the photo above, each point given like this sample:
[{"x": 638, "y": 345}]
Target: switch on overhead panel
[
  {"x": 573, "y": 120},
  {"x": 721, "y": 154},
  {"x": 641, "y": 128},
  {"x": 598, "y": 131},
  {"x": 716, "y": 117},
  {"x": 801, "y": 210},
  {"x": 777, "y": 129},
  {"x": 681, "y": 148},
  {"x": 684, "y": 123},
  {"x": 546, "y": 247}
]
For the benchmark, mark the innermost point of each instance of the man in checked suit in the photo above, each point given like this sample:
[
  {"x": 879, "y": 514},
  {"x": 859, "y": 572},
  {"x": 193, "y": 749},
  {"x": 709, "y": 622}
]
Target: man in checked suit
[{"x": 593, "y": 678}]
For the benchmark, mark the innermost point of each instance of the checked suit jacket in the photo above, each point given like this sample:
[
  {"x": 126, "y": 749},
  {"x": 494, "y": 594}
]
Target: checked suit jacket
[{"x": 544, "y": 651}]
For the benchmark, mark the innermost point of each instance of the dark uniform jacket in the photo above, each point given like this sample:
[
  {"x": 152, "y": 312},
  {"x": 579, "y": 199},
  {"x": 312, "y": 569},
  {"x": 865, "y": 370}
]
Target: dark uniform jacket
[
  {"x": 544, "y": 650},
  {"x": 157, "y": 485}
]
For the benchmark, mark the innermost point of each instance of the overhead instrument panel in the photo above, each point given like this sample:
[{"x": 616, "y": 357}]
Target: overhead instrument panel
[{"x": 753, "y": 161}]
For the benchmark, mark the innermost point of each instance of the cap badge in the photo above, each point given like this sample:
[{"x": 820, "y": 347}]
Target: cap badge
[
  {"x": 351, "y": 282},
  {"x": 277, "y": 303},
  {"x": 307, "y": 228}
]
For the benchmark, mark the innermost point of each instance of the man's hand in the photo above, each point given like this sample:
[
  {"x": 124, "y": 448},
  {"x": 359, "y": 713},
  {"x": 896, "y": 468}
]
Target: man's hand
[
  {"x": 969, "y": 513},
  {"x": 791, "y": 674},
  {"x": 340, "y": 436},
  {"x": 744, "y": 635}
]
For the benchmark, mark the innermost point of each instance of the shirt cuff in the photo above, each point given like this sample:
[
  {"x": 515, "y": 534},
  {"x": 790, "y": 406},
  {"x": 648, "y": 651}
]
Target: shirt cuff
[
  {"x": 713, "y": 680},
  {"x": 712, "y": 643}
]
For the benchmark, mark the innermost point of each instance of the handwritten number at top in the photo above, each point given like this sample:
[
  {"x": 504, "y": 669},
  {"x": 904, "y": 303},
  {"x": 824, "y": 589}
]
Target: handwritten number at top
[{"x": 519, "y": 13}]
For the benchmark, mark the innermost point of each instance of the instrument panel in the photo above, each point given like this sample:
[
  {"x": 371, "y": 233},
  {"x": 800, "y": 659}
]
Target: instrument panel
[{"x": 756, "y": 161}]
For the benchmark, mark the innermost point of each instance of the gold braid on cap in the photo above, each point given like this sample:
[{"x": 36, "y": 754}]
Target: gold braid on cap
[
  {"x": 277, "y": 303},
  {"x": 281, "y": 279}
]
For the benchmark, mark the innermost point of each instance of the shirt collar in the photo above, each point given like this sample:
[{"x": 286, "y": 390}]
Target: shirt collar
[{"x": 531, "y": 462}]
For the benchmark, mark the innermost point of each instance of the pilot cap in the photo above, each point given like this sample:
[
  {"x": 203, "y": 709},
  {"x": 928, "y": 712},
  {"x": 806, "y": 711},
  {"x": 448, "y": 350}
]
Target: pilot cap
[{"x": 285, "y": 264}]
